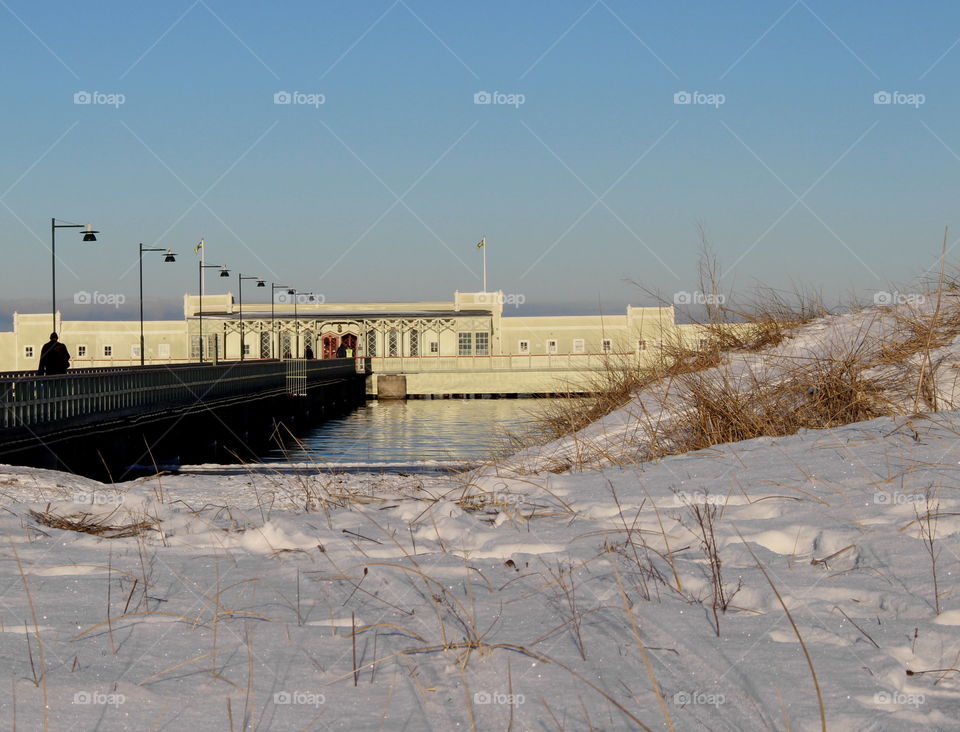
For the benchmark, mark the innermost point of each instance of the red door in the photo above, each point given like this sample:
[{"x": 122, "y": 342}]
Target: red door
[
  {"x": 350, "y": 341},
  {"x": 330, "y": 345}
]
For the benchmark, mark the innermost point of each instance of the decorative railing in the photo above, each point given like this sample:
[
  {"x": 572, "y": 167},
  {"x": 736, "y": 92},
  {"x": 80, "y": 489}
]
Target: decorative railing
[{"x": 27, "y": 399}]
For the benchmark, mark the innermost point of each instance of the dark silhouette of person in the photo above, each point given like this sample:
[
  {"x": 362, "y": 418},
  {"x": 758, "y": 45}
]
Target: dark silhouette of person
[
  {"x": 54, "y": 357},
  {"x": 308, "y": 352},
  {"x": 342, "y": 351}
]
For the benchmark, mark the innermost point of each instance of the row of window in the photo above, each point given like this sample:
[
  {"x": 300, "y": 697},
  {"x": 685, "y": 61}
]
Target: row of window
[
  {"x": 579, "y": 345},
  {"x": 468, "y": 344},
  {"x": 106, "y": 351}
]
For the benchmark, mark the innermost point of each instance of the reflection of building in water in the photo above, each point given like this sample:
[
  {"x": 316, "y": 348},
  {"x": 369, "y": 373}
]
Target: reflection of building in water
[{"x": 469, "y": 335}]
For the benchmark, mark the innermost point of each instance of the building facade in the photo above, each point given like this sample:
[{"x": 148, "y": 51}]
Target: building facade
[{"x": 469, "y": 335}]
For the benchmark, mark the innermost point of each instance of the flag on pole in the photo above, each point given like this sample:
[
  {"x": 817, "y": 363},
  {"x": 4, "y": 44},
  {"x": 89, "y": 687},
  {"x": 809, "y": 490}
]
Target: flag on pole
[
  {"x": 196, "y": 249},
  {"x": 481, "y": 243}
]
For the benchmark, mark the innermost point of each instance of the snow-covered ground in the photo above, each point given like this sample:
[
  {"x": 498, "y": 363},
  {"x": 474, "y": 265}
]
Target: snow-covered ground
[
  {"x": 542, "y": 601},
  {"x": 647, "y": 595}
]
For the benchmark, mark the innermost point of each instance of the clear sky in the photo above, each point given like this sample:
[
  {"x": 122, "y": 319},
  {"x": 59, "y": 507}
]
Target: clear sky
[{"x": 582, "y": 172}]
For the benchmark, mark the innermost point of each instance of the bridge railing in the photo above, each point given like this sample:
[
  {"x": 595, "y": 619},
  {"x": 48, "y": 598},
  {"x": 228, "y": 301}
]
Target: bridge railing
[{"x": 31, "y": 400}]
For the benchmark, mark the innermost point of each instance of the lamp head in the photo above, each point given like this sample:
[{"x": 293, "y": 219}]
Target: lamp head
[
  {"x": 169, "y": 257},
  {"x": 88, "y": 233},
  {"x": 224, "y": 272},
  {"x": 261, "y": 283}
]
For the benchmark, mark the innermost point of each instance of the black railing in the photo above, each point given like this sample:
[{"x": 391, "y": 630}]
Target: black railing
[{"x": 28, "y": 400}]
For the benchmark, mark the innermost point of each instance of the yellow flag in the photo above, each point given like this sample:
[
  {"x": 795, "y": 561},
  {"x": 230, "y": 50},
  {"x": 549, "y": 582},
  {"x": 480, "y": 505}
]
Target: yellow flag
[{"x": 481, "y": 243}]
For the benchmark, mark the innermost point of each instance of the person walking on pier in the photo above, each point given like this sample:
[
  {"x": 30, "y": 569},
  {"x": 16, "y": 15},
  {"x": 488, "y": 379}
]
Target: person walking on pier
[{"x": 54, "y": 357}]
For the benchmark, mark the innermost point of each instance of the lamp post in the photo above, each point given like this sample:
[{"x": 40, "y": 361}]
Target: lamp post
[
  {"x": 168, "y": 257},
  {"x": 273, "y": 289},
  {"x": 240, "y": 279},
  {"x": 296, "y": 322},
  {"x": 88, "y": 235},
  {"x": 224, "y": 272}
]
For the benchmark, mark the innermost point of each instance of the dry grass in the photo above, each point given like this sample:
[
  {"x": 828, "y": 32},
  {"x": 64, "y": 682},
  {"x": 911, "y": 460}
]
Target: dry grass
[{"x": 98, "y": 525}]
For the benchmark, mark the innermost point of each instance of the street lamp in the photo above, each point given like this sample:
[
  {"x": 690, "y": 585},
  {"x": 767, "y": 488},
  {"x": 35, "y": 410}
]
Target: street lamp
[
  {"x": 169, "y": 256},
  {"x": 88, "y": 235},
  {"x": 224, "y": 272},
  {"x": 296, "y": 322},
  {"x": 273, "y": 289},
  {"x": 240, "y": 279}
]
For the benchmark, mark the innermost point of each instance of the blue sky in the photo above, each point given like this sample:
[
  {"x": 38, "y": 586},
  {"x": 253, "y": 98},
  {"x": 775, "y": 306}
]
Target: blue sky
[{"x": 593, "y": 178}]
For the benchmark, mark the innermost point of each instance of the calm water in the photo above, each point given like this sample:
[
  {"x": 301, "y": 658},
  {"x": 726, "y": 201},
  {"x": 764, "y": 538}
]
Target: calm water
[{"x": 410, "y": 432}]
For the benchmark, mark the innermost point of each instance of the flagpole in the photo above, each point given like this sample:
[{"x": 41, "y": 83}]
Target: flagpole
[{"x": 484, "y": 248}]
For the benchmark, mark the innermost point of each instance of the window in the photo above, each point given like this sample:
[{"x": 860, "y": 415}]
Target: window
[
  {"x": 163, "y": 350},
  {"x": 286, "y": 346},
  {"x": 393, "y": 338},
  {"x": 414, "y": 342},
  {"x": 465, "y": 344},
  {"x": 482, "y": 341},
  {"x": 28, "y": 351},
  {"x": 264, "y": 344},
  {"x": 81, "y": 351},
  {"x": 551, "y": 346},
  {"x": 641, "y": 345},
  {"x": 108, "y": 351},
  {"x": 135, "y": 351},
  {"x": 435, "y": 347},
  {"x": 246, "y": 349},
  {"x": 371, "y": 343},
  {"x": 523, "y": 347},
  {"x": 605, "y": 345},
  {"x": 578, "y": 346}
]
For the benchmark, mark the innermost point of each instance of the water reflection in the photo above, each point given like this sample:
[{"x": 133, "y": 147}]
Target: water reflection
[{"x": 418, "y": 430}]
